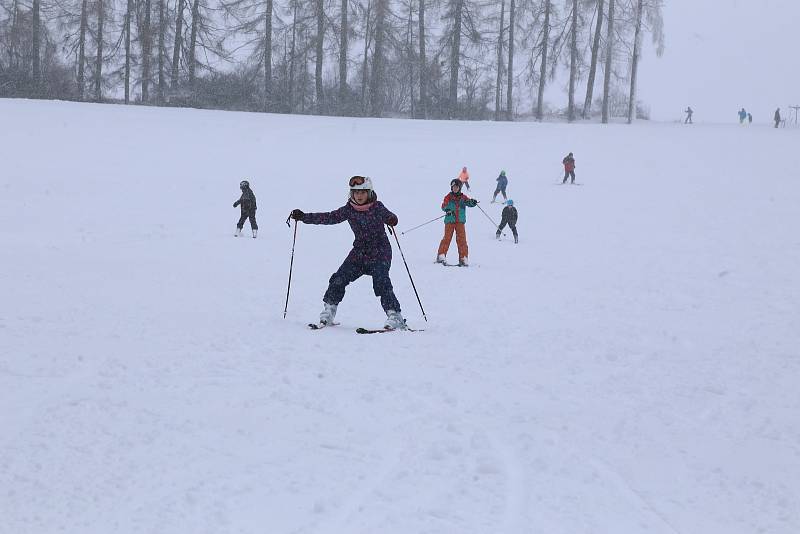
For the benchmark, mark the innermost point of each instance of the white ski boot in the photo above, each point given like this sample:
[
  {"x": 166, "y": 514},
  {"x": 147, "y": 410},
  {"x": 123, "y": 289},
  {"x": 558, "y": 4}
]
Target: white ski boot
[
  {"x": 328, "y": 314},
  {"x": 238, "y": 232},
  {"x": 255, "y": 233},
  {"x": 441, "y": 258},
  {"x": 394, "y": 321},
  {"x": 463, "y": 262}
]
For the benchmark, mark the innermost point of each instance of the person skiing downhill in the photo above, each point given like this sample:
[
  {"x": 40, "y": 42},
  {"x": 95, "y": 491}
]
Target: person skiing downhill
[
  {"x": 569, "y": 168},
  {"x": 509, "y": 217},
  {"x": 777, "y": 117},
  {"x": 742, "y": 115},
  {"x": 371, "y": 254},
  {"x": 463, "y": 177},
  {"x": 248, "y": 209},
  {"x": 454, "y": 205},
  {"x": 502, "y": 183},
  {"x": 689, "y": 113}
]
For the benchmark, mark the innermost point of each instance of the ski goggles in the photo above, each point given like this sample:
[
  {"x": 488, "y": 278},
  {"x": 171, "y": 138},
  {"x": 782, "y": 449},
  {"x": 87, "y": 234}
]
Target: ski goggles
[{"x": 357, "y": 180}]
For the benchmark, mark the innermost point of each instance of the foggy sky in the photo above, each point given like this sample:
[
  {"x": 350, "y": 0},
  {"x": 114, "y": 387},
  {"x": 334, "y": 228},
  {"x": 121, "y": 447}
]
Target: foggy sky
[{"x": 722, "y": 55}]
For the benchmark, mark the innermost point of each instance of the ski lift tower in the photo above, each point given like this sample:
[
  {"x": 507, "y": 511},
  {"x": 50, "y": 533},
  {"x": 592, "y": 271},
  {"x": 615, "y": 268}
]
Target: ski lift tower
[{"x": 795, "y": 108}]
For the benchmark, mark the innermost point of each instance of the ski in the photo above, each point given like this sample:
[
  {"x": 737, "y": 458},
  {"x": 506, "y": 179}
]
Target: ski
[{"x": 385, "y": 330}]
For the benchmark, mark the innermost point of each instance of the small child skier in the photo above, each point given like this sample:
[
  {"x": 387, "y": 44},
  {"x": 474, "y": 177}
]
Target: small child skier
[
  {"x": 454, "y": 205},
  {"x": 248, "y": 209},
  {"x": 463, "y": 177},
  {"x": 371, "y": 254},
  {"x": 509, "y": 217},
  {"x": 569, "y": 168},
  {"x": 502, "y": 183}
]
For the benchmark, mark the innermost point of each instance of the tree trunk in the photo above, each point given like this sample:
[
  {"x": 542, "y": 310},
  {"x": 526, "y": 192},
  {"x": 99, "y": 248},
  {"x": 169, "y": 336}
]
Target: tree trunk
[
  {"x": 543, "y": 68},
  {"x": 176, "y": 49},
  {"x": 147, "y": 45},
  {"x": 609, "y": 57},
  {"x": 98, "y": 69},
  {"x": 162, "y": 30},
  {"x": 637, "y": 37},
  {"x": 573, "y": 62},
  {"x": 127, "y": 76},
  {"x": 82, "y": 50},
  {"x": 320, "y": 9},
  {"x": 587, "y": 104},
  {"x": 292, "y": 61},
  {"x": 192, "y": 60},
  {"x": 268, "y": 57},
  {"x": 455, "y": 57},
  {"x": 365, "y": 64},
  {"x": 423, "y": 69},
  {"x": 497, "y": 88},
  {"x": 343, "y": 97},
  {"x": 37, "y": 67},
  {"x": 509, "y": 101},
  {"x": 410, "y": 52},
  {"x": 376, "y": 81}
]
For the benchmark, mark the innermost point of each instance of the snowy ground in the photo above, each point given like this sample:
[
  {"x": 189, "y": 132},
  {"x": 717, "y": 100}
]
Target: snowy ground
[{"x": 631, "y": 366}]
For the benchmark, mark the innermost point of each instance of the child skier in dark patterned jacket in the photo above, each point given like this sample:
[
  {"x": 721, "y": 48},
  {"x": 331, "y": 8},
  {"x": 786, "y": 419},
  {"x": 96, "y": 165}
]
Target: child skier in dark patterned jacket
[
  {"x": 509, "y": 218},
  {"x": 371, "y": 254},
  {"x": 248, "y": 209}
]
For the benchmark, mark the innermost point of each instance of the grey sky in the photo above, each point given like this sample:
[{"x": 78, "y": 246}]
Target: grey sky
[{"x": 722, "y": 55}]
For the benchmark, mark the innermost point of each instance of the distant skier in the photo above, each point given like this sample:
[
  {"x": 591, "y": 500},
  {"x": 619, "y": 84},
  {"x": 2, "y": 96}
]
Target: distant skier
[
  {"x": 689, "y": 113},
  {"x": 455, "y": 205},
  {"x": 749, "y": 119},
  {"x": 569, "y": 168},
  {"x": 502, "y": 183},
  {"x": 777, "y": 117},
  {"x": 371, "y": 254},
  {"x": 463, "y": 177},
  {"x": 509, "y": 217},
  {"x": 742, "y": 116},
  {"x": 248, "y": 209}
]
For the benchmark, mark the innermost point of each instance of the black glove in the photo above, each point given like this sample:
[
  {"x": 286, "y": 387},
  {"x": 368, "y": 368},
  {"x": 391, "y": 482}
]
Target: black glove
[
  {"x": 297, "y": 215},
  {"x": 235, "y": 203},
  {"x": 392, "y": 220},
  {"x": 450, "y": 213}
]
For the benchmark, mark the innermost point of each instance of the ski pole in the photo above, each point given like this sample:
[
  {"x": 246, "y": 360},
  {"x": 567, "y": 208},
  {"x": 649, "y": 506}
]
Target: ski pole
[
  {"x": 423, "y": 224},
  {"x": 487, "y": 216},
  {"x": 409, "y": 272},
  {"x": 291, "y": 265}
]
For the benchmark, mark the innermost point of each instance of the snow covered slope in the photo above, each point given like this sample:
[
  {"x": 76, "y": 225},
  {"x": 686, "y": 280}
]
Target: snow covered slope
[{"x": 631, "y": 366}]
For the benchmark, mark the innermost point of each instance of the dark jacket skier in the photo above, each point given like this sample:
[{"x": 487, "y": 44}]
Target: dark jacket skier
[
  {"x": 777, "y": 117},
  {"x": 569, "y": 168},
  {"x": 247, "y": 204},
  {"x": 509, "y": 217}
]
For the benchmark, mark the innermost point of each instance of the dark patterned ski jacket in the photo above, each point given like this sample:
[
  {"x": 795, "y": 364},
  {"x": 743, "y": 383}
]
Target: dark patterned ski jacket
[
  {"x": 509, "y": 215},
  {"x": 247, "y": 201},
  {"x": 371, "y": 242}
]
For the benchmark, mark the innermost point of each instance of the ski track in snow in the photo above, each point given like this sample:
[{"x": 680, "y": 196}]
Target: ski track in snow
[{"x": 631, "y": 366}]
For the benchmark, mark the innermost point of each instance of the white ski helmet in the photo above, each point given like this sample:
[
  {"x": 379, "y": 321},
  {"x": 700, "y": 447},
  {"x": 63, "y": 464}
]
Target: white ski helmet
[{"x": 362, "y": 183}]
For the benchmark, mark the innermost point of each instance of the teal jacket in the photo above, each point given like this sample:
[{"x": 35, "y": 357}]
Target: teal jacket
[{"x": 455, "y": 204}]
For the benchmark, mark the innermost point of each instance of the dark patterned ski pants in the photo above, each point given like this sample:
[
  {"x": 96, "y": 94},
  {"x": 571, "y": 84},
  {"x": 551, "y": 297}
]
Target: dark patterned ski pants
[
  {"x": 350, "y": 271},
  {"x": 247, "y": 215},
  {"x": 568, "y": 174}
]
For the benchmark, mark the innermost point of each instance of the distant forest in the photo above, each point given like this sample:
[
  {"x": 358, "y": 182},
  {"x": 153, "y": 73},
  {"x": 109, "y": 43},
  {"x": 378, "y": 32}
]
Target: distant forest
[{"x": 438, "y": 59}]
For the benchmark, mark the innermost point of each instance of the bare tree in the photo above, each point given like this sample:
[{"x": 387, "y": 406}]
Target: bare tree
[
  {"x": 510, "y": 70},
  {"x": 587, "y": 103},
  {"x": 343, "y": 92},
  {"x": 543, "y": 66},
  {"x": 319, "y": 41},
  {"x": 82, "y": 49},
  {"x": 376, "y": 80},
  {"x": 573, "y": 62},
  {"x": 423, "y": 69},
  {"x": 497, "y": 91},
  {"x": 651, "y": 10},
  {"x": 457, "y": 7},
  {"x": 176, "y": 49},
  {"x": 162, "y": 51},
  {"x": 609, "y": 61},
  {"x": 98, "y": 68},
  {"x": 147, "y": 43},
  {"x": 37, "y": 38},
  {"x": 127, "y": 30}
]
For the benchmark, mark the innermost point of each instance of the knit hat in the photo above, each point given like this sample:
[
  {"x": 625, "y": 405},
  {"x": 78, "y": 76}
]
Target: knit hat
[{"x": 509, "y": 202}]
